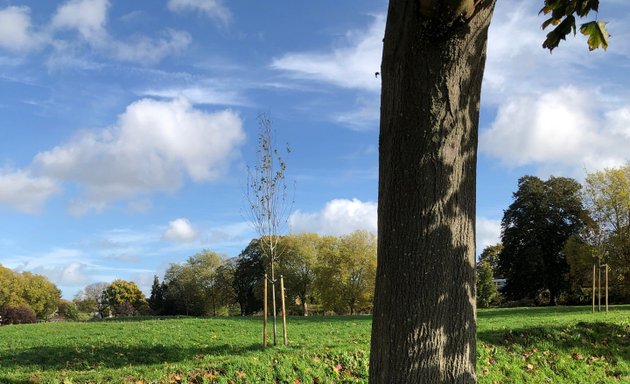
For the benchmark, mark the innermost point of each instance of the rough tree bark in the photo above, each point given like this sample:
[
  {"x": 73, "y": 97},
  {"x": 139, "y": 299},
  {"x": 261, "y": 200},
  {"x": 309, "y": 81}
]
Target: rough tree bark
[{"x": 424, "y": 308}]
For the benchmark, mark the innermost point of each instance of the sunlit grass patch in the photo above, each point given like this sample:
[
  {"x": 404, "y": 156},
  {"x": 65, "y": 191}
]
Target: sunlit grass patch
[{"x": 520, "y": 345}]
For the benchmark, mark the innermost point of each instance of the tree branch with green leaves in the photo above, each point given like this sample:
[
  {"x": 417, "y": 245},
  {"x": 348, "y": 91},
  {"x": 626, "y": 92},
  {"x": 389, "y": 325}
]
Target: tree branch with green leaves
[{"x": 563, "y": 15}]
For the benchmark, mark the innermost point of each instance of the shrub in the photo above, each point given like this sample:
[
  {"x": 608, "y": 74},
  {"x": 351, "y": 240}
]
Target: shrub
[
  {"x": 68, "y": 310},
  {"x": 124, "y": 309},
  {"x": 487, "y": 293},
  {"x": 17, "y": 315},
  {"x": 145, "y": 310}
]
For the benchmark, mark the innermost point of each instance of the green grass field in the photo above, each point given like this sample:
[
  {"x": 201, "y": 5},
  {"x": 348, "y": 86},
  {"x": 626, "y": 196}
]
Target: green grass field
[{"x": 524, "y": 345}]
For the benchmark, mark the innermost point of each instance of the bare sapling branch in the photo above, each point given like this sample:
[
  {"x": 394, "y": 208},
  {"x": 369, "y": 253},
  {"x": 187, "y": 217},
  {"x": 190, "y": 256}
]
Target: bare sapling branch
[{"x": 266, "y": 196}]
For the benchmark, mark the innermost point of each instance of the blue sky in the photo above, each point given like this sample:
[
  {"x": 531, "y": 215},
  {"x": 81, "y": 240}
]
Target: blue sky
[{"x": 126, "y": 127}]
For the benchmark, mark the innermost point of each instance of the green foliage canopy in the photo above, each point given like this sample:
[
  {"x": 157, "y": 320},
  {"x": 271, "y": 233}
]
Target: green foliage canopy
[
  {"x": 121, "y": 294},
  {"x": 346, "y": 272},
  {"x": 535, "y": 228},
  {"x": 487, "y": 292},
  {"x": 298, "y": 265},
  {"x": 28, "y": 290},
  {"x": 156, "y": 299},
  {"x": 189, "y": 286},
  {"x": 90, "y": 299},
  {"x": 562, "y": 16},
  {"x": 249, "y": 278},
  {"x": 490, "y": 254},
  {"x": 607, "y": 197}
]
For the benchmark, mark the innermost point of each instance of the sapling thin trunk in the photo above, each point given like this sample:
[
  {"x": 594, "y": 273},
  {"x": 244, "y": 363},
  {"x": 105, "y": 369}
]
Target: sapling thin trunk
[
  {"x": 273, "y": 304},
  {"x": 266, "y": 197}
]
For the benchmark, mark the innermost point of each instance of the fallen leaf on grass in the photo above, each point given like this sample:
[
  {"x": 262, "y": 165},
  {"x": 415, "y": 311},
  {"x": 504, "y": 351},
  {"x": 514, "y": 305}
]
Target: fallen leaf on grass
[
  {"x": 529, "y": 367},
  {"x": 592, "y": 359},
  {"x": 577, "y": 356}
]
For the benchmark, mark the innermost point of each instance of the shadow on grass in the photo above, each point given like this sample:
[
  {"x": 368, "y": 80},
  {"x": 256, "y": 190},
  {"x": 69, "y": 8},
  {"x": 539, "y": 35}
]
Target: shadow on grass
[
  {"x": 114, "y": 356},
  {"x": 329, "y": 319},
  {"x": 308, "y": 319},
  {"x": 4, "y": 380},
  {"x": 590, "y": 339},
  {"x": 542, "y": 311}
]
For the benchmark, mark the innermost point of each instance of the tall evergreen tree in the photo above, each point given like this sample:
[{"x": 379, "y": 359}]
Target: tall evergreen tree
[
  {"x": 156, "y": 300},
  {"x": 535, "y": 228}
]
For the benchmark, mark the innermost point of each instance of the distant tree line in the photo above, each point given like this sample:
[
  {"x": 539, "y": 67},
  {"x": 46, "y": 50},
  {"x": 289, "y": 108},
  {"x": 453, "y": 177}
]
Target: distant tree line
[
  {"x": 322, "y": 275},
  {"x": 326, "y": 274},
  {"x": 118, "y": 298},
  {"x": 552, "y": 234}
]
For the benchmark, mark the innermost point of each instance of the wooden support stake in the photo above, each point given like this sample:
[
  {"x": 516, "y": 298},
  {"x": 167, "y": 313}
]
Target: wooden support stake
[
  {"x": 599, "y": 288},
  {"x": 593, "y": 310},
  {"x": 284, "y": 311},
  {"x": 265, "y": 315},
  {"x": 606, "y": 266}
]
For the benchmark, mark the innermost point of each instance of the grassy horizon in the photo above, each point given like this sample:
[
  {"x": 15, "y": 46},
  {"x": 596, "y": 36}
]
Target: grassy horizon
[{"x": 514, "y": 345}]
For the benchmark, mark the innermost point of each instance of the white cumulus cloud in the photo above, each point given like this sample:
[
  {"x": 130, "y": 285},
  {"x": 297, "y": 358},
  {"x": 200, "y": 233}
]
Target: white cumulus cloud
[
  {"x": 16, "y": 30},
  {"x": 520, "y": 66},
  {"x": 563, "y": 129},
  {"x": 24, "y": 192},
  {"x": 153, "y": 147},
  {"x": 338, "y": 217},
  {"x": 488, "y": 233},
  {"x": 351, "y": 65},
  {"x": 87, "y": 16},
  {"x": 73, "y": 274},
  {"x": 181, "y": 231},
  {"x": 212, "y": 8},
  {"x": 89, "y": 19}
]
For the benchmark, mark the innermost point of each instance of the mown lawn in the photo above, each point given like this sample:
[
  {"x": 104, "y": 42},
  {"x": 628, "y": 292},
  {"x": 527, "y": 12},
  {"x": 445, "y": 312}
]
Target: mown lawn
[
  {"x": 524, "y": 345},
  {"x": 553, "y": 345},
  {"x": 187, "y": 350}
]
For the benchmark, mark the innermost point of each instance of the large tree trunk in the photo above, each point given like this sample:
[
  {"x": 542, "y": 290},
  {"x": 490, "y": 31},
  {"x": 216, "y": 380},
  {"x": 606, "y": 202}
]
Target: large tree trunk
[{"x": 424, "y": 308}]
